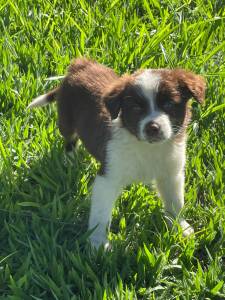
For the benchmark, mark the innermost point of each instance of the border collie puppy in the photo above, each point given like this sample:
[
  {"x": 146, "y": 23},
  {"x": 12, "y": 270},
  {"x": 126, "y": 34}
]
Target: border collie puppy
[{"x": 134, "y": 125}]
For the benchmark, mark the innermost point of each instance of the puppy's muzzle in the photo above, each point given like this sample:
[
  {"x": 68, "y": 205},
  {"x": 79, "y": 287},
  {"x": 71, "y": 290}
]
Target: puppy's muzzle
[{"x": 153, "y": 132}]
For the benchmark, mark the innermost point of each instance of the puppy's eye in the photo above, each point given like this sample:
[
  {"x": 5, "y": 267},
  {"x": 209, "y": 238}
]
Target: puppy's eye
[{"x": 134, "y": 105}]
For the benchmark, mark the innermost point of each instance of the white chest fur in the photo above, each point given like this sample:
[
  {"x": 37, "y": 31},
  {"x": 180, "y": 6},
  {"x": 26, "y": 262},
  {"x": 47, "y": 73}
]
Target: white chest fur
[{"x": 130, "y": 160}]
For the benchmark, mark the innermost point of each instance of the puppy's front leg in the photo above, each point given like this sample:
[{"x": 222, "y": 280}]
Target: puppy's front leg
[
  {"x": 171, "y": 189},
  {"x": 104, "y": 193}
]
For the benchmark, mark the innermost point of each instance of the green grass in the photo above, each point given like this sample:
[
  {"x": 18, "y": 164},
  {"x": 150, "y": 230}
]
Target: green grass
[{"x": 44, "y": 208}]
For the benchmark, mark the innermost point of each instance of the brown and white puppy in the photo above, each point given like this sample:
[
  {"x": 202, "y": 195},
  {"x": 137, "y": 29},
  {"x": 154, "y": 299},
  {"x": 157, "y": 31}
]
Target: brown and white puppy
[{"x": 134, "y": 125}]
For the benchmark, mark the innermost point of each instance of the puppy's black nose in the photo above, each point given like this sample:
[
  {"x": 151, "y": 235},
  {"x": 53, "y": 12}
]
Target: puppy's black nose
[{"x": 152, "y": 129}]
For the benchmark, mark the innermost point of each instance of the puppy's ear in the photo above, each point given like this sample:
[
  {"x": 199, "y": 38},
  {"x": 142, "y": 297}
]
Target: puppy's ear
[
  {"x": 114, "y": 95},
  {"x": 191, "y": 85}
]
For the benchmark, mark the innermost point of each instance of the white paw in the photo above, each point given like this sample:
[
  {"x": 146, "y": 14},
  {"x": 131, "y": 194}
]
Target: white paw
[
  {"x": 107, "y": 246},
  {"x": 186, "y": 228},
  {"x": 97, "y": 242}
]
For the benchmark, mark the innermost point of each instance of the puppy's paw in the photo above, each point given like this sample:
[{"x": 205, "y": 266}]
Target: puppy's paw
[
  {"x": 186, "y": 228},
  {"x": 96, "y": 243},
  {"x": 107, "y": 246}
]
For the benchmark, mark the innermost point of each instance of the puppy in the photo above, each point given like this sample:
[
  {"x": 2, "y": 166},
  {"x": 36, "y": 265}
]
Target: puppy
[{"x": 134, "y": 125}]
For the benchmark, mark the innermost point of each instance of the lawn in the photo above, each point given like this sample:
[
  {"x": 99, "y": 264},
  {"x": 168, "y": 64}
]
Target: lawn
[{"x": 45, "y": 198}]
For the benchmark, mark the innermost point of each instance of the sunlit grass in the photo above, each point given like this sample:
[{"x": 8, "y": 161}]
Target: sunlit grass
[{"x": 45, "y": 200}]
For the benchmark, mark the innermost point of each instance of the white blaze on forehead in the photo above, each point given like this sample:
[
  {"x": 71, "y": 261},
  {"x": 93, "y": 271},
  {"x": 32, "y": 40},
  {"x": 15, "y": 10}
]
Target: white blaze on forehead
[{"x": 148, "y": 81}]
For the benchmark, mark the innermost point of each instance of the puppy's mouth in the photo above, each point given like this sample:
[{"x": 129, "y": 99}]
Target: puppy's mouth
[
  {"x": 160, "y": 137},
  {"x": 157, "y": 139}
]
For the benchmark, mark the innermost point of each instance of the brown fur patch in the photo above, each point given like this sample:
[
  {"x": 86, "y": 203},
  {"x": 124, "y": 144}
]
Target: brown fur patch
[
  {"x": 183, "y": 85},
  {"x": 178, "y": 86},
  {"x": 81, "y": 109},
  {"x": 115, "y": 93}
]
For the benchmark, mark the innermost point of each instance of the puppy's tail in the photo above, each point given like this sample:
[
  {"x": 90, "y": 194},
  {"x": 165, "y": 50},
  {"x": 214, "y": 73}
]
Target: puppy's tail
[{"x": 44, "y": 99}]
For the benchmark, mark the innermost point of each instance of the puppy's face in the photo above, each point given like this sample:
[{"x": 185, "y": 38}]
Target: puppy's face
[{"x": 153, "y": 104}]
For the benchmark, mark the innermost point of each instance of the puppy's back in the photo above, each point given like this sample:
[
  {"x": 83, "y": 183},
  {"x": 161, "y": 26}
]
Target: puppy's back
[
  {"x": 81, "y": 109},
  {"x": 90, "y": 75}
]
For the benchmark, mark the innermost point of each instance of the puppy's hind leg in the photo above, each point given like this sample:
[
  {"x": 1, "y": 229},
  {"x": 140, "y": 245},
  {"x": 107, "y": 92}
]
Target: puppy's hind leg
[
  {"x": 71, "y": 143},
  {"x": 67, "y": 129},
  {"x": 70, "y": 140}
]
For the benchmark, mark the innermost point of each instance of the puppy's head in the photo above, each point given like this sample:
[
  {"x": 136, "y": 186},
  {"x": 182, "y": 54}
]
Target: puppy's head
[{"x": 152, "y": 104}]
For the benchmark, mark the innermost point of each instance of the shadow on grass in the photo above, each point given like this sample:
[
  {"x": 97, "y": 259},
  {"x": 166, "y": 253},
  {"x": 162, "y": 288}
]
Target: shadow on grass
[
  {"x": 55, "y": 190},
  {"x": 52, "y": 191},
  {"x": 44, "y": 215}
]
